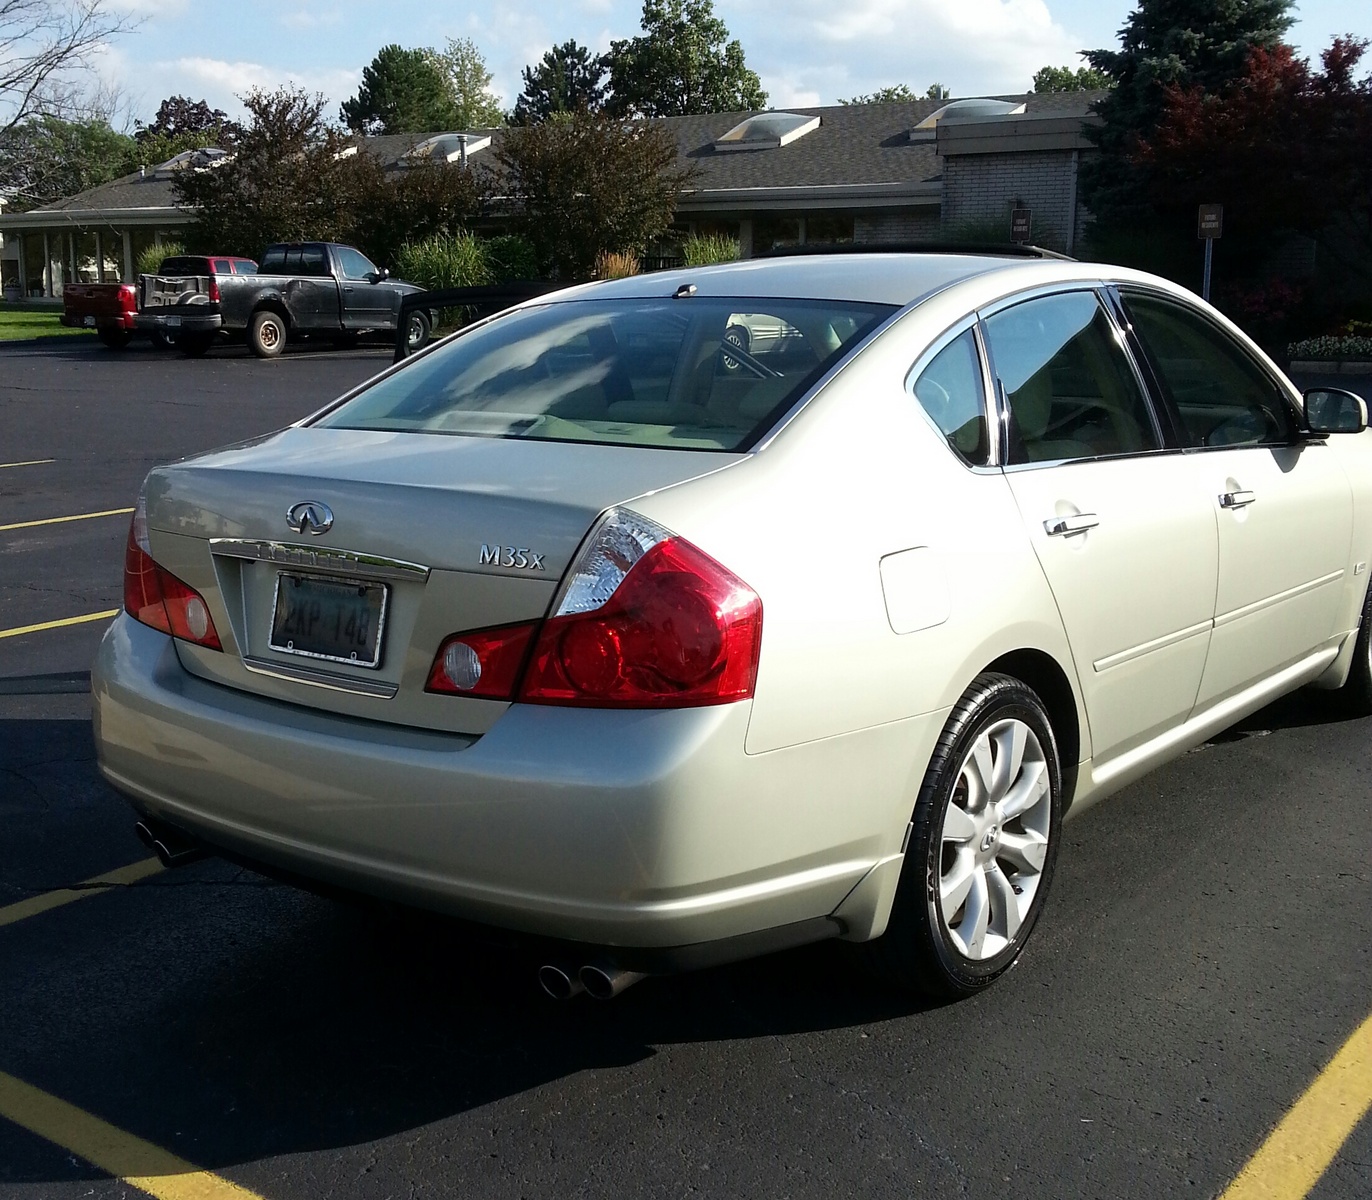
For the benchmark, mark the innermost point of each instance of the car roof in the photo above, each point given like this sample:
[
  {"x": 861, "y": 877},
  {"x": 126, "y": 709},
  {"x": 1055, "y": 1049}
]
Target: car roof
[{"x": 879, "y": 278}]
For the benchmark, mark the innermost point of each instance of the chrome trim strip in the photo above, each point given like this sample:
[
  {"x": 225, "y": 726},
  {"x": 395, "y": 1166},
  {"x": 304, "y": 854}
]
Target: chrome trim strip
[
  {"x": 321, "y": 558},
  {"x": 1167, "y": 639},
  {"x": 320, "y": 679},
  {"x": 1248, "y": 610}
]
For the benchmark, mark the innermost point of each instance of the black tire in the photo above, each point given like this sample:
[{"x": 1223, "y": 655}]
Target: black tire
[
  {"x": 194, "y": 345},
  {"x": 1354, "y": 698},
  {"x": 160, "y": 341},
  {"x": 267, "y": 333},
  {"x": 919, "y": 950},
  {"x": 735, "y": 335},
  {"x": 115, "y": 339},
  {"x": 416, "y": 330}
]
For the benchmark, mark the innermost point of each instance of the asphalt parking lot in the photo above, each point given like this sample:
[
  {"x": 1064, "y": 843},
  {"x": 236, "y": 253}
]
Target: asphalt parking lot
[{"x": 1205, "y": 953}]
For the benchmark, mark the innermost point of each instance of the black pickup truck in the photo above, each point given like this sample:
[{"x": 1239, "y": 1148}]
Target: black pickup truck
[{"x": 300, "y": 288}]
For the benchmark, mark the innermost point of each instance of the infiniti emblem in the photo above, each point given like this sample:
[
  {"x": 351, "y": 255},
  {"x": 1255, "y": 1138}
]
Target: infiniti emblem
[
  {"x": 990, "y": 839},
  {"x": 310, "y": 517}
]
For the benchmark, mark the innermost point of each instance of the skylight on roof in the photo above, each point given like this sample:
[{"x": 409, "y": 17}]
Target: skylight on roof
[
  {"x": 450, "y": 147},
  {"x": 964, "y": 110},
  {"x": 767, "y": 131},
  {"x": 194, "y": 160}
]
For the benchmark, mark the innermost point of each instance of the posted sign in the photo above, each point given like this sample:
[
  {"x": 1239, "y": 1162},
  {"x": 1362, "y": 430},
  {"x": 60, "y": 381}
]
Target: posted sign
[
  {"x": 1210, "y": 221},
  {"x": 1020, "y": 224}
]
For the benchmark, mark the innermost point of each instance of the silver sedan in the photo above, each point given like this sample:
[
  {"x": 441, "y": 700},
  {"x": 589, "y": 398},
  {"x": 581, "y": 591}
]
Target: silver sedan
[{"x": 596, "y": 623}]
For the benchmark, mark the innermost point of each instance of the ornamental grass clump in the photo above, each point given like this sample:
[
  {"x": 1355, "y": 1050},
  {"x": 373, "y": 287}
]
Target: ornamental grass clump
[
  {"x": 700, "y": 250},
  {"x": 616, "y": 264},
  {"x": 151, "y": 258},
  {"x": 456, "y": 261}
]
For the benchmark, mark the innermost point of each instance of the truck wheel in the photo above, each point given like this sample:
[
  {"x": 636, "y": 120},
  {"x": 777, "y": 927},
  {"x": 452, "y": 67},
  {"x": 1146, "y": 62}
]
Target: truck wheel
[
  {"x": 115, "y": 339},
  {"x": 267, "y": 334},
  {"x": 416, "y": 331}
]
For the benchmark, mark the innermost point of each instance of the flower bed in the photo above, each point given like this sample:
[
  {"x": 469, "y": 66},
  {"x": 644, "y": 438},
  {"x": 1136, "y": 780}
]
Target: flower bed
[{"x": 1349, "y": 354}]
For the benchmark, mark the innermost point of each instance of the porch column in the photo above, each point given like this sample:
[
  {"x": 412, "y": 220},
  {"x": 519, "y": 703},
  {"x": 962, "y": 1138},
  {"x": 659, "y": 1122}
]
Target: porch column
[
  {"x": 128, "y": 256},
  {"x": 47, "y": 266},
  {"x": 99, "y": 257}
]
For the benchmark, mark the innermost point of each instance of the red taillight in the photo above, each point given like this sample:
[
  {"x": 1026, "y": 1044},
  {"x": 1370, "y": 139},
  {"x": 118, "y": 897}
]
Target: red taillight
[
  {"x": 679, "y": 630},
  {"x": 483, "y": 663},
  {"x": 127, "y": 301},
  {"x": 214, "y": 290},
  {"x": 156, "y": 597}
]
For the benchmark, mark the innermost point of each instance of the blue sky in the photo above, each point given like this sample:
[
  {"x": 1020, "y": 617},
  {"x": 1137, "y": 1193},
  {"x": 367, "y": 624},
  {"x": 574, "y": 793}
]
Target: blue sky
[{"x": 806, "y": 51}]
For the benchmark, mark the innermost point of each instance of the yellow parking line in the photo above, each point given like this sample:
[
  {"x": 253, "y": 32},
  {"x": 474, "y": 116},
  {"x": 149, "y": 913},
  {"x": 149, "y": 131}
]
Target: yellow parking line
[
  {"x": 1289, "y": 1164},
  {"x": 91, "y": 887},
  {"x": 109, "y": 512},
  {"x": 33, "y": 462},
  {"x": 138, "y": 1163},
  {"x": 42, "y": 625}
]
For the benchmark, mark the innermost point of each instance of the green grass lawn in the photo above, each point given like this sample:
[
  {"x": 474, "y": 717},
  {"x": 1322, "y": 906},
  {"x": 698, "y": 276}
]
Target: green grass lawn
[{"x": 22, "y": 325}]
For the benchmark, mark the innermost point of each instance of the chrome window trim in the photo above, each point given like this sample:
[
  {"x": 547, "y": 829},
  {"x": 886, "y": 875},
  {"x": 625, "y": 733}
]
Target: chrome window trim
[
  {"x": 1098, "y": 289},
  {"x": 321, "y": 558},
  {"x": 922, "y": 363}
]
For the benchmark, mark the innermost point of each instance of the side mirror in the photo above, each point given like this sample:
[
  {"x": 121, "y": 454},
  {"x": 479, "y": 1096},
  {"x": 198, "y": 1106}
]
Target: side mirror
[
  {"x": 380, "y": 276},
  {"x": 1333, "y": 410}
]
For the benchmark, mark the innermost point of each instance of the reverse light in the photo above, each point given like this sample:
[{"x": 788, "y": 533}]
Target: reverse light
[
  {"x": 484, "y": 662},
  {"x": 156, "y": 597},
  {"x": 647, "y": 621}
]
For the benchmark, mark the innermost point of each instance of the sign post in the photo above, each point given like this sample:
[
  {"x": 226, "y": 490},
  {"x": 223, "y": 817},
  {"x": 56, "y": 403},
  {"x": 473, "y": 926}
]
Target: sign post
[
  {"x": 1209, "y": 225},
  {"x": 1021, "y": 223}
]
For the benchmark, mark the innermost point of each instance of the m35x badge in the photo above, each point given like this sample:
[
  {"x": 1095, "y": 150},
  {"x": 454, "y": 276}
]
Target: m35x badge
[{"x": 519, "y": 558}]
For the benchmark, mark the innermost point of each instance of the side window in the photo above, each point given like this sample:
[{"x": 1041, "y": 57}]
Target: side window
[
  {"x": 949, "y": 389},
  {"x": 312, "y": 261},
  {"x": 222, "y": 266},
  {"x": 244, "y": 266},
  {"x": 353, "y": 263},
  {"x": 1070, "y": 389},
  {"x": 1222, "y": 396}
]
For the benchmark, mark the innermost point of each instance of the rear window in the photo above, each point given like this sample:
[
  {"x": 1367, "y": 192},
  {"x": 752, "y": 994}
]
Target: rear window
[
  {"x": 244, "y": 266},
  {"x": 295, "y": 260},
  {"x": 688, "y": 374}
]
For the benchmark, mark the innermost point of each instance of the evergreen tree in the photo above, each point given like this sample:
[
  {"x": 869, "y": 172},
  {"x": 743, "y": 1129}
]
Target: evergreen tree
[
  {"x": 1183, "y": 43},
  {"x": 568, "y": 78},
  {"x": 682, "y": 63},
  {"x": 403, "y": 91}
]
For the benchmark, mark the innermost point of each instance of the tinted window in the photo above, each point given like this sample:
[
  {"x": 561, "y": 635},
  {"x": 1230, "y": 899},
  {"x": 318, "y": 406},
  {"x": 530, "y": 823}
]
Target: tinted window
[
  {"x": 1222, "y": 396},
  {"x": 950, "y": 391},
  {"x": 691, "y": 374},
  {"x": 274, "y": 260},
  {"x": 222, "y": 267},
  {"x": 244, "y": 266},
  {"x": 313, "y": 261},
  {"x": 353, "y": 263},
  {"x": 1071, "y": 391}
]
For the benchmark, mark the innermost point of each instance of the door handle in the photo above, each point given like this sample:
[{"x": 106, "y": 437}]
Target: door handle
[
  {"x": 1065, "y": 526},
  {"x": 1236, "y": 499}
]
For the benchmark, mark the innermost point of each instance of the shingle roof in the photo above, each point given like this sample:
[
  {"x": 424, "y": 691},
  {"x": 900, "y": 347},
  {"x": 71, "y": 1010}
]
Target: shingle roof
[{"x": 856, "y": 145}]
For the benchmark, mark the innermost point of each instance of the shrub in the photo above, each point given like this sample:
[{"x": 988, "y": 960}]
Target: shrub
[
  {"x": 1331, "y": 349},
  {"x": 461, "y": 260},
  {"x": 512, "y": 257},
  {"x": 151, "y": 259},
  {"x": 700, "y": 250},
  {"x": 615, "y": 264}
]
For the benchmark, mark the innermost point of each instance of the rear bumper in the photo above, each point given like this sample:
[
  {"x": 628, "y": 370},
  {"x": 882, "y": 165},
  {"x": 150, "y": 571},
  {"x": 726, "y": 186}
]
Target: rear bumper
[
  {"x": 98, "y": 321},
  {"x": 644, "y": 830},
  {"x": 175, "y": 324}
]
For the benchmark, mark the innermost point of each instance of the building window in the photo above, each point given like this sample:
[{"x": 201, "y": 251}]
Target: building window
[
  {"x": 829, "y": 229},
  {"x": 775, "y": 232}
]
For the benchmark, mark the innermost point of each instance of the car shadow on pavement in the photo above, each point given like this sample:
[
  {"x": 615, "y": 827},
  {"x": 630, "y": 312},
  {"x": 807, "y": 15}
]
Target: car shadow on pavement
[{"x": 231, "y": 1018}]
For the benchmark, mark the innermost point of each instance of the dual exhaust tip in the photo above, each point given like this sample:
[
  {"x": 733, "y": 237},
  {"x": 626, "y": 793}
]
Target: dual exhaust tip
[{"x": 600, "y": 981}]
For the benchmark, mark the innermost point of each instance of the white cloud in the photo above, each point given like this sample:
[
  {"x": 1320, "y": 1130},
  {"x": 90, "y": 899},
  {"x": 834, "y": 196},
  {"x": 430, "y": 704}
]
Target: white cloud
[{"x": 223, "y": 82}]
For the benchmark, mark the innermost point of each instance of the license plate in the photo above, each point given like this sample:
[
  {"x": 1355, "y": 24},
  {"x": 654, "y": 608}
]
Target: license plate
[
  {"x": 340, "y": 620},
  {"x": 89, "y": 322},
  {"x": 173, "y": 322}
]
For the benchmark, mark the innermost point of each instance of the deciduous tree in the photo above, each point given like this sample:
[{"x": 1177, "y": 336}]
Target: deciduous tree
[
  {"x": 1064, "y": 79},
  {"x": 683, "y": 62},
  {"x": 468, "y": 81},
  {"x": 568, "y": 77},
  {"x": 581, "y": 184}
]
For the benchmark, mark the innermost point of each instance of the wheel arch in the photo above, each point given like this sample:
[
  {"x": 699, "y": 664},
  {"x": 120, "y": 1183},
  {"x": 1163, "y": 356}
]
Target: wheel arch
[
  {"x": 272, "y": 304},
  {"x": 1045, "y": 675}
]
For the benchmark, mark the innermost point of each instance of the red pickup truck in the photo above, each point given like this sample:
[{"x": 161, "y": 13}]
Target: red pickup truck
[{"x": 110, "y": 308}]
